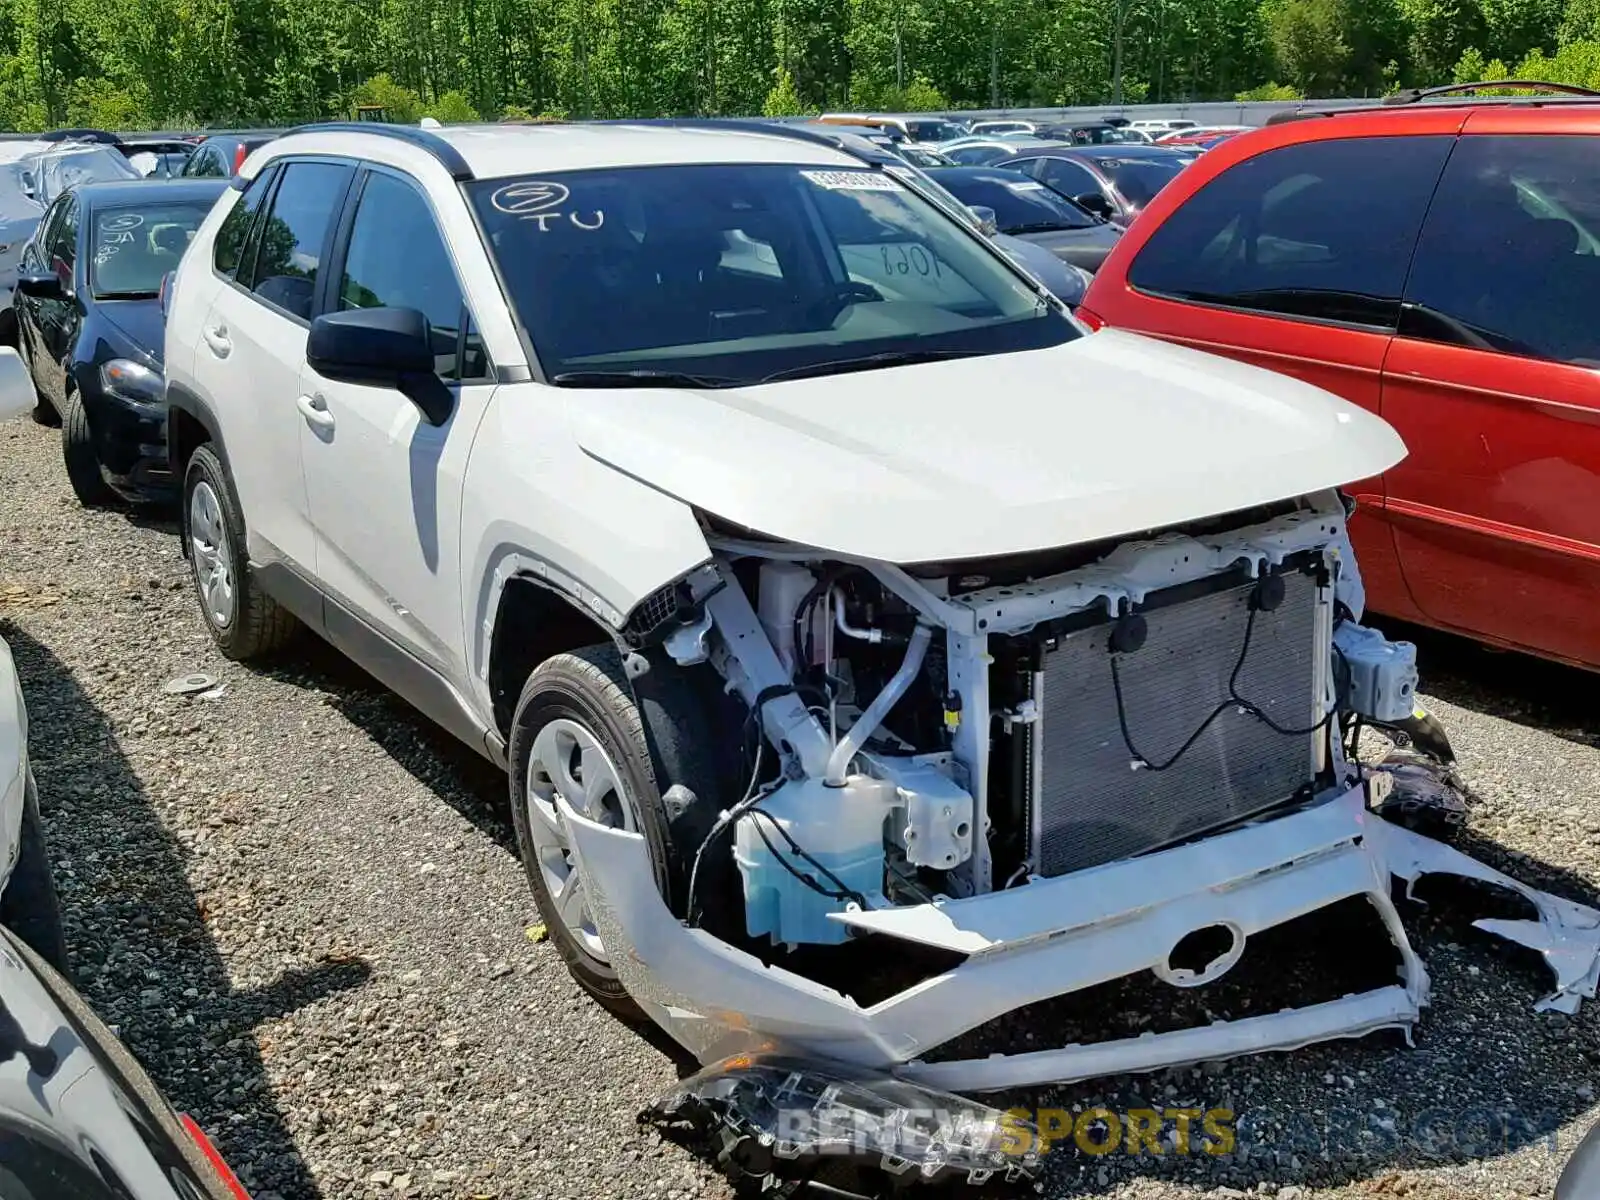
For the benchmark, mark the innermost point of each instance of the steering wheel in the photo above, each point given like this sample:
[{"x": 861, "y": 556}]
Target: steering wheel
[{"x": 828, "y": 308}]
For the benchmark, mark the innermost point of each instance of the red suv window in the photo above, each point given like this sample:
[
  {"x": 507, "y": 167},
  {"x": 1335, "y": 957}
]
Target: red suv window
[
  {"x": 1510, "y": 258},
  {"x": 1321, "y": 230}
]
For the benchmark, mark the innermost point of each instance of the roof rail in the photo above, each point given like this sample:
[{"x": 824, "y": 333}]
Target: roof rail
[
  {"x": 449, "y": 157},
  {"x": 1417, "y": 95},
  {"x": 772, "y": 128}
]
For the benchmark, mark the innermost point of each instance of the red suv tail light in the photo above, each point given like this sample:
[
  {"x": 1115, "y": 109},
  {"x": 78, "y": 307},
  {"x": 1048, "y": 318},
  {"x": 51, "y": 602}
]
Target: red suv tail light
[
  {"x": 198, "y": 1136},
  {"x": 239, "y": 156},
  {"x": 1092, "y": 320}
]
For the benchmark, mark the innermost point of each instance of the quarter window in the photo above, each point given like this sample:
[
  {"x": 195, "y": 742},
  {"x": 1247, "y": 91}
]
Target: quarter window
[
  {"x": 228, "y": 249},
  {"x": 294, "y": 233},
  {"x": 1322, "y": 230},
  {"x": 1509, "y": 259},
  {"x": 63, "y": 249},
  {"x": 397, "y": 259}
]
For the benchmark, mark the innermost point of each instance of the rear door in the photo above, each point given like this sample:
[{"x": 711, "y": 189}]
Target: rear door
[
  {"x": 1294, "y": 260},
  {"x": 253, "y": 347},
  {"x": 1494, "y": 382}
]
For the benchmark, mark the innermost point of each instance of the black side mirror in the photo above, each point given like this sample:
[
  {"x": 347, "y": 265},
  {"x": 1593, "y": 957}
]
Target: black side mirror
[
  {"x": 1096, "y": 203},
  {"x": 381, "y": 347},
  {"x": 41, "y": 285}
]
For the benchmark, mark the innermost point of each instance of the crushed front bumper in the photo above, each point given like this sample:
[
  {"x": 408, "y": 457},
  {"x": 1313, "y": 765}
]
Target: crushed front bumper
[{"x": 1057, "y": 936}]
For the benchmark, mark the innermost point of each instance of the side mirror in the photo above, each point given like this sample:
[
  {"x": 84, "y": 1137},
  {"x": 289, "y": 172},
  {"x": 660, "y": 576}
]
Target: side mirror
[
  {"x": 16, "y": 386},
  {"x": 41, "y": 285},
  {"x": 988, "y": 222},
  {"x": 381, "y": 347},
  {"x": 28, "y": 188},
  {"x": 1096, "y": 203}
]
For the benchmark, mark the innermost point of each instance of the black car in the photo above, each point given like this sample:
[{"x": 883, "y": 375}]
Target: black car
[
  {"x": 1116, "y": 182},
  {"x": 1024, "y": 208},
  {"x": 79, "y": 1117},
  {"x": 221, "y": 156},
  {"x": 1082, "y": 133},
  {"x": 89, "y": 322}
]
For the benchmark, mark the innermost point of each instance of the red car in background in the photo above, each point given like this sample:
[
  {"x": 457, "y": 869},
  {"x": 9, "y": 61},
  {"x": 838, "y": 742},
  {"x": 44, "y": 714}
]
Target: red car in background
[{"x": 1436, "y": 260}]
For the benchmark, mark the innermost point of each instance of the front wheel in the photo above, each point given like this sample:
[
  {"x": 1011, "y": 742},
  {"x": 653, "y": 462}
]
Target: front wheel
[
  {"x": 578, "y": 733},
  {"x": 79, "y": 456}
]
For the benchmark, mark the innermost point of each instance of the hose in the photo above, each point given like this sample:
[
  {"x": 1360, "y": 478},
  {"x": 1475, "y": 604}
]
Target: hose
[{"x": 847, "y": 746}]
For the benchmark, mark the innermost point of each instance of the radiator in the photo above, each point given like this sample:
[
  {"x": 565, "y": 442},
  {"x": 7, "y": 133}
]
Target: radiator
[{"x": 1092, "y": 805}]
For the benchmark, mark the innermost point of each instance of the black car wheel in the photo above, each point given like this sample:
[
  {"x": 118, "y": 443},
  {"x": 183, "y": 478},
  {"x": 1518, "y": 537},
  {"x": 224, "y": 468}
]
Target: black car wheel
[
  {"x": 77, "y": 451},
  {"x": 29, "y": 906}
]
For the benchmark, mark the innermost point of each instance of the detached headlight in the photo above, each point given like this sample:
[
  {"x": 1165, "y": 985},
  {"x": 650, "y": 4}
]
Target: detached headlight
[{"x": 134, "y": 382}]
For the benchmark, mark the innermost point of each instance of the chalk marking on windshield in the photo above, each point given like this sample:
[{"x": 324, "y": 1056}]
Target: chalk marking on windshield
[
  {"x": 852, "y": 181},
  {"x": 528, "y": 197},
  {"x": 121, "y": 222}
]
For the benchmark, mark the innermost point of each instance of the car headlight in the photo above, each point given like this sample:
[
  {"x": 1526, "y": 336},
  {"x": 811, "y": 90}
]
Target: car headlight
[{"x": 134, "y": 382}]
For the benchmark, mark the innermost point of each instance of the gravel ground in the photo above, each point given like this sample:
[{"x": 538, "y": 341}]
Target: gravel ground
[{"x": 303, "y": 909}]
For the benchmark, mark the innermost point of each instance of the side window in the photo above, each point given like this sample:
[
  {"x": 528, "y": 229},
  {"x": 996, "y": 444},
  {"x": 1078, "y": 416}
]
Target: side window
[
  {"x": 397, "y": 259},
  {"x": 63, "y": 247},
  {"x": 209, "y": 164},
  {"x": 294, "y": 233},
  {"x": 39, "y": 247},
  {"x": 1509, "y": 259},
  {"x": 1068, "y": 178},
  {"x": 228, "y": 250},
  {"x": 1322, "y": 230}
]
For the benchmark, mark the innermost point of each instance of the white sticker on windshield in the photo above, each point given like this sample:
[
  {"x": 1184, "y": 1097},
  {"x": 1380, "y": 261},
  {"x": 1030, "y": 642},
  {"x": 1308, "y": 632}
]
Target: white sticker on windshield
[
  {"x": 1027, "y": 185},
  {"x": 852, "y": 181}
]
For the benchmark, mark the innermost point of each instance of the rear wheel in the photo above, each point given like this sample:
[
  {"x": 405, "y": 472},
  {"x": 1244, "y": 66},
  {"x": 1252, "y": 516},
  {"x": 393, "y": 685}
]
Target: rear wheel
[
  {"x": 578, "y": 733},
  {"x": 78, "y": 453},
  {"x": 244, "y": 621}
]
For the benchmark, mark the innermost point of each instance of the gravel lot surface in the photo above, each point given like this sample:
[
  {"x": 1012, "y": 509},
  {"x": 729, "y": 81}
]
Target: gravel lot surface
[{"x": 303, "y": 909}]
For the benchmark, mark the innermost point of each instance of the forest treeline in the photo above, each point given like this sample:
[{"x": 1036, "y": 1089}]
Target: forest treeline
[{"x": 193, "y": 63}]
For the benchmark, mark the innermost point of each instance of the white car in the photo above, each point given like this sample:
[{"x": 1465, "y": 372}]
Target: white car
[
  {"x": 813, "y": 574},
  {"x": 28, "y": 905}
]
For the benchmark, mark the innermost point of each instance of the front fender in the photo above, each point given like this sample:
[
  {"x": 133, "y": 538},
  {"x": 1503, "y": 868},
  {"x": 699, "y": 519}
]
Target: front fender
[{"x": 535, "y": 504}]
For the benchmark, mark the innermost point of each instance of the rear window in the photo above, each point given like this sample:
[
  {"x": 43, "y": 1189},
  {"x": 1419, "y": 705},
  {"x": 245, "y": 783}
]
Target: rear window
[
  {"x": 1321, "y": 230},
  {"x": 1021, "y": 204},
  {"x": 1139, "y": 179}
]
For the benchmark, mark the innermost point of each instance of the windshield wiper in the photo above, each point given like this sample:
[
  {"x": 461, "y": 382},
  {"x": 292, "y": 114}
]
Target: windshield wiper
[
  {"x": 140, "y": 294},
  {"x": 869, "y": 362},
  {"x": 1042, "y": 227},
  {"x": 642, "y": 378}
]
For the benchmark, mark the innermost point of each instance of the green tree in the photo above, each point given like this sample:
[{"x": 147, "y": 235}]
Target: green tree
[
  {"x": 400, "y": 103},
  {"x": 1308, "y": 43},
  {"x": 1270, "y": 91},
  {"x": 452, "y": 108},
  {"x": 782, "y": 100}
]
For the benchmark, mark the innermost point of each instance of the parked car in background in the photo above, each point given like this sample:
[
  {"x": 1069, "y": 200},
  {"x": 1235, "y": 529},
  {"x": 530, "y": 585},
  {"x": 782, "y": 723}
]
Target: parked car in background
[
  {"x": 1024, "y": 208},
  {"x": 1154, "y": 127},
  {"x": 88, "y": 310},
  {"x": 1114, "y": 182},
  {"x": 157, "y": 158},
  {"x": 221, "y": 156},
  {"x": 977, "y": 152},
  {"x": 79, "y": 1117},
  {"x": 1436, "y": 263},
  {"x": 991, "y": 128},
  {"x": 28, "y": 906},
  {"x": 32, "y": 174},
  {"x": 1082, "y": 133},
  {"x": 1200, "y": 133}
]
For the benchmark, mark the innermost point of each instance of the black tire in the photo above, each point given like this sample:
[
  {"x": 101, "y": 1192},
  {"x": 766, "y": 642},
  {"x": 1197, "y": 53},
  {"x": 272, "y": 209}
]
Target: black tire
[
  {"x": 78, "y": 453},
  {"x": 258, "y": 625},
  {"x": 29, "y": 906},
  {"x": 666, "y": 738}
]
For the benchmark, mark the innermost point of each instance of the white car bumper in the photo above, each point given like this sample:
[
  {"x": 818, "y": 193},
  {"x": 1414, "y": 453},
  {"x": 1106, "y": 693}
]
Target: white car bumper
[
  {"x": 1061, "y": 935},
  {"x": 13, "y": 763}
]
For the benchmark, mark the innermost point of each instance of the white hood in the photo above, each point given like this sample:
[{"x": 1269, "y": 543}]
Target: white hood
[{"x": 1109, "y": 435}]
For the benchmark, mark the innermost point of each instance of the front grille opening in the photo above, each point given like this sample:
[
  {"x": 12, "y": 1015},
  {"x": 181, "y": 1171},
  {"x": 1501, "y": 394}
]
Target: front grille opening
[
  {"x": 1198, "y": 950},
  {"x": 1334, "y": 952}
]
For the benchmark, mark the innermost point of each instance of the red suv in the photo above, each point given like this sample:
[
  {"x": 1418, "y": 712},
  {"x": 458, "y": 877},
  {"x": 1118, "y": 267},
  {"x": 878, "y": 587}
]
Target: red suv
[{"x": 1438, "y": 263}]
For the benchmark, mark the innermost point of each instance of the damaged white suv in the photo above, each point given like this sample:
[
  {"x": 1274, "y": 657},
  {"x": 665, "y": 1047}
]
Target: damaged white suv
[{"x": 815, "y": 576}]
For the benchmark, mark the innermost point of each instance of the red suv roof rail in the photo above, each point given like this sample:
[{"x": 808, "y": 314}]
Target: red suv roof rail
[{"x": 1467, "y": 93}]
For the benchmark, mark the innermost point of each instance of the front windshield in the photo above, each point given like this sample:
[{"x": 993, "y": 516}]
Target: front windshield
[
  {"x": 133, "y": 245},
  {"x": 55, "y": 171},
  {"x": 1139, "y": 179},
  {"x": 1021, "y": 204},
  {"x": 737, "y": 273}
]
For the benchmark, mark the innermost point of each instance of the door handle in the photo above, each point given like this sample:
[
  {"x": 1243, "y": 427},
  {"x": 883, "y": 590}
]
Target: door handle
[
  {"x": 315, "y": 410},
  {"x": 216, "y": 337}
]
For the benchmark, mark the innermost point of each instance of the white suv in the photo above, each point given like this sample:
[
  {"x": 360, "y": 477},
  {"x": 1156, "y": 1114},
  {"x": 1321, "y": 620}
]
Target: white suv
[{"x": 815, "y": 575}]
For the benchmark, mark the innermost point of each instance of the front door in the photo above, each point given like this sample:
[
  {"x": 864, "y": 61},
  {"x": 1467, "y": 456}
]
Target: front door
[
  {"x": 1494, "y": 382},
  {"x": 54, "y": 316},
  {"x": 385, "y": 484}
]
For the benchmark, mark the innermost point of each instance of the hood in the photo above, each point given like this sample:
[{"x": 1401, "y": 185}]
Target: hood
[
  {"x": 140, "y": 321},
  {"x": 1108, "y": 435},
  {"x": 1086, "y": 248},
  {"x": 1066, "y": 284}
]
